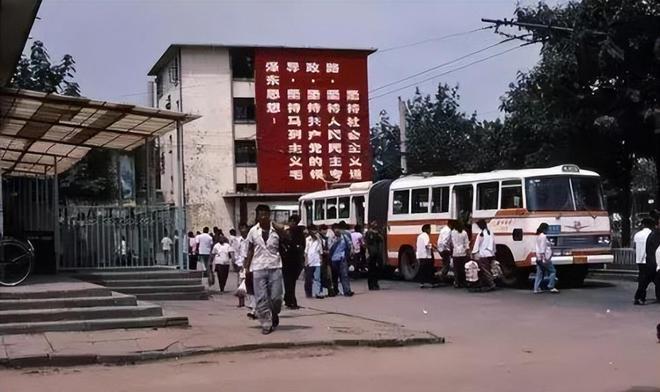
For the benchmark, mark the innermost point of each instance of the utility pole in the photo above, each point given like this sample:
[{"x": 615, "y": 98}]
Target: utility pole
[
  {"x": 402, "y": 136},
  {"x": 528, "y": 26}
]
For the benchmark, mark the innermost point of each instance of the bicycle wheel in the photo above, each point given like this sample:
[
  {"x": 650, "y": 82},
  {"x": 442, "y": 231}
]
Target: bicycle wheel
[{"x": 15, "y": 262}]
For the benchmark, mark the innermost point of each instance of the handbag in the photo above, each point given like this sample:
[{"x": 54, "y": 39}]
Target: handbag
[{"x": 241, "y": 291}]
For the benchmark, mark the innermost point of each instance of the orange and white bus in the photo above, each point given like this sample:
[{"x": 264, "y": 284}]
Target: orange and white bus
[{"x": 513, "y": 202}]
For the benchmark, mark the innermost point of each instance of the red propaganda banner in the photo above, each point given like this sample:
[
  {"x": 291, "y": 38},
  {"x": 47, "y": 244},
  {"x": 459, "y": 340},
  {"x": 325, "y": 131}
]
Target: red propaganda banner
[{"x": 312, "y": 118}]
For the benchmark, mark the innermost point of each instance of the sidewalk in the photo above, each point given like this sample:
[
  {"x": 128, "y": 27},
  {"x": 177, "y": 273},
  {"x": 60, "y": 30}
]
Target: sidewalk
[{"x": 216, "y": 326}]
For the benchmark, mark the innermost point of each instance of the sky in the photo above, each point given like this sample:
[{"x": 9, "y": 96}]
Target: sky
[{"x": 115, "y": 42}]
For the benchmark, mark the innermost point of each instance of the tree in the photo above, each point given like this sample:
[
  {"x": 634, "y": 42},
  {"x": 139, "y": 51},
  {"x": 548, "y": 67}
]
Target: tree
[
  {"x": 385, "y": 146},
  {"x": 93, "y": 178}
]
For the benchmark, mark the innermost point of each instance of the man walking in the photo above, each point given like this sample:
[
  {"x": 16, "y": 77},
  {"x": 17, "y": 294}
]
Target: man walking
[
  {"x": 644, "y": 277},
  {"x": 166, "y": 246},
  {"x": 444, "y": 248},
  {"x": 293, "y": 259},
  {"x": 266, "y": 265},
  {"x": 204, "y": 247},
  {"x": 340, "y": 252},
  {"x": 650, "y": 265},
  {"x": 313, "y": 254},
  {"x": 424, "y": 254},
  {"x": 375, "y": 243}
]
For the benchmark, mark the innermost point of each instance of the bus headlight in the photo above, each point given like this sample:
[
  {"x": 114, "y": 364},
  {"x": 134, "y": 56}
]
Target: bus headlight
[
  {"x": 567, "y": 252},
  {"x": 603, "y": 240},
  {"x": 556, "y": 253}
]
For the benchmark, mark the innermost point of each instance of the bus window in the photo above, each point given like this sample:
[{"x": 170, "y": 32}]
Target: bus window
[
  {"x": 358, "y": 205},
  {"x": 331, "y": 211},
  {"x": 440, "y": 200},
  {"x": 420, "y": 201},
  {"x": 344, "y": 207},
  {"x": 511, "y": 194},
  {"x": 319, "y": 210},
  {"x": 400, "y": 202},
  {"x": 308, "y": 212},
  {"x": 463, "y": 203},
  {"x": 487, "y": 194}
]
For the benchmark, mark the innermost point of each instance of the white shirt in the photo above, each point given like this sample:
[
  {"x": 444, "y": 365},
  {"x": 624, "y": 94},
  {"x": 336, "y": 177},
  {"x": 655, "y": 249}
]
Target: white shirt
[
  {"x": 657, "y": 257},
  {"x": 640, "y": 245},
  {"x": 221, "y": 254},
  {"x": 313, "y": 251},
  {"x": 484, "y": 246},
  {"x": 204, "y": 244},
  {"x": 192, "y": 242},
  {"x": 543, "y": 248},
  {"x": 461, "y": 243},
  {"x": 242, "y": 252},
  {"x": 234, "y": 242},
  {"x": 423, "y": 246},
  {"x": 357, "y": 240},
  {"x": 266, "y": 255},
  {"x": 166, "y": 242},
  {"x": 444, "y": 238}
]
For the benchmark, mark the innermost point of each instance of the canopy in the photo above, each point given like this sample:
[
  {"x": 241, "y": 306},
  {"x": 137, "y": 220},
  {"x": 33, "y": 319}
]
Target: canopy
[{"x": 44, "y": 133}]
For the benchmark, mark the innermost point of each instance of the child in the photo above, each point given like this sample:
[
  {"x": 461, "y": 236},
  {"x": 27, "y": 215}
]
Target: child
[{"x": 472, "y": 275}]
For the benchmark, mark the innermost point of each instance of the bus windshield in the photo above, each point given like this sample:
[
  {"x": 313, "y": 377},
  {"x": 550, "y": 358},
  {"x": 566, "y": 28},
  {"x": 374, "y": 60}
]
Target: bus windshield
[{"x": 554, "y": 194}]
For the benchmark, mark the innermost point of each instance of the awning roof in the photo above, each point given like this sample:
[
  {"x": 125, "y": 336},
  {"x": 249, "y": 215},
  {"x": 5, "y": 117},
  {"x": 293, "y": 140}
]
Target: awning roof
[{"x": 37, "y": 129}]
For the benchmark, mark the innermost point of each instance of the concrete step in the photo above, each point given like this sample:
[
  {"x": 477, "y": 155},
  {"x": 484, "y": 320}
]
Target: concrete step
[
  {"x": 161, "y": 289},
  {"x": 137, "y": 275},
  {"x": 71, "y": 314},
  {"x": 93, "y": 325},
  {"x": 55, "y": 303},
  {"x": 147, "y": 282},
  {"x": 173, "y": 296},
  {"x": 43, "y": 294}
]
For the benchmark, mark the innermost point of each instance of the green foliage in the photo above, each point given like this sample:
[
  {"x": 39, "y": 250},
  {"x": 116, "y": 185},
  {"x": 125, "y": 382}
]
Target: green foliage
[
  {"x": 385, "y": 143},
  {"x": 39, "y": 74}
]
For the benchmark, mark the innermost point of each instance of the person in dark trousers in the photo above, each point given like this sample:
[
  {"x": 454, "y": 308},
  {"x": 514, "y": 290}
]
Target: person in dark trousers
[
  {"x": 484, "y": 252},
  {"x": 326, "y": 269},
  {"x": 340, "y": 253},
  {"x": 375, "y": 244},
  {"x": 192, "y": 251},
  {"x": 293, "y": 260},
  {"x": 651, "y": 267},
  {"x": 644, "y": 275}
]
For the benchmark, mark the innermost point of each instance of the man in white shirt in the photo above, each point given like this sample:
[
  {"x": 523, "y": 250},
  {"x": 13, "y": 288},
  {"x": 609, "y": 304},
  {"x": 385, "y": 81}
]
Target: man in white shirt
[
  {"x": 166, "y": 246},
  {"x": 241, "y": 256},
  {"x": 204, "y": 246},
  {"x": 313, "y": 254},
  {"x": 484, "y": 252},
  {"x": 444, "y": 248},
  {"x": 234, "y": 241},
  {"x": 424, "y": 254},
  {"x": 266, "y": 265},
  {"x": 645, "y": 276}
]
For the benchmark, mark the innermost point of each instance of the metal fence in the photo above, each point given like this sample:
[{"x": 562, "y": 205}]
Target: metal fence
[
  {"x": 624, "y": 258},
  {"x": 118, "y": 237}
]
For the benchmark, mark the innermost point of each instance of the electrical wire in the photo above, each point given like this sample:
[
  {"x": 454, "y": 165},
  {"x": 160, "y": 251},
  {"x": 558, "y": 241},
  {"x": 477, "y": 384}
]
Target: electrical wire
[{"x": 442, "y": 38}]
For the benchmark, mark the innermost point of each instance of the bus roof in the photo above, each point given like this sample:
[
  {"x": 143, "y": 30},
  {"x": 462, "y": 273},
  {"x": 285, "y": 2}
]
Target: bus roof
[
  {"x": 357, "y": 188},
  {"x": 419, "y": 180}
]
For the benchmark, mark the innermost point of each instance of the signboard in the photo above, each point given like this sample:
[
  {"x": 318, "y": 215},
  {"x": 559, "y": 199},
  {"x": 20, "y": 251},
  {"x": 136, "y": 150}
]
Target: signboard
[{"x": 312, "y": 118}]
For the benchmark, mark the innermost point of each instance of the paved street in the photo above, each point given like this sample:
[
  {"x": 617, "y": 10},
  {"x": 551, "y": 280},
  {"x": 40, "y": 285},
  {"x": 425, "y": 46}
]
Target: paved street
[{"x": 589, "y": 339}]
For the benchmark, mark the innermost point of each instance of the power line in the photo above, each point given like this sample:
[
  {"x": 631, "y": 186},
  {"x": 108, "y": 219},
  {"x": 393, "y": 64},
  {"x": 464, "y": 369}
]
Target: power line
[
  {"x": 448, "y": 72},
  {"x": 444, "y": 37},
  {"x": 440, "y": 65}
]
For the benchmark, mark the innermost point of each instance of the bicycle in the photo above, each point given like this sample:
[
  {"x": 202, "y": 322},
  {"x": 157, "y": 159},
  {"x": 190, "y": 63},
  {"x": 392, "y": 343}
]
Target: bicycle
[{"x": 16, "y": 261}]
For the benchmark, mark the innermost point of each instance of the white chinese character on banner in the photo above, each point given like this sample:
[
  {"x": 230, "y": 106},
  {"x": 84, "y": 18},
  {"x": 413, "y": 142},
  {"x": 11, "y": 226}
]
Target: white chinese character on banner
[
  {"x": 353, "y": 122},
  {"x": 354, "y": 161},
  {"x": 293, "y": 94},
  {"x": 354, "y": 134},
  {"x": 273, "y": 94},
  {"x": 335, "y": 161},
  {"x": 272, "y": 107},
  {"x": 295, "y": 134},
  {"x": 353, "y": 108},
  {"x": 333, "y": 122},
  {"x": 334, "y": 134},
  {"x": 313, "y": 121},
  {"x": 315, "y": 148},
  {"x": 295, "y": 120},
  {"x": 313, "y": 95},
  {"x": 293, "y": 108},
  {"x": 295, "y": 148},
  {"x": 332, "y": 68},
  {"x": 272, "y": 80},
  {"x": 355, "y": 174},
  {"x": 315, "y": 162},
  {"x": 334, "y": 147},
  {"x": 314, "y": 107},
  {"x": 354, "y": 148},
  {"x": 333, "y": 108},
  {"x": 313, "y": 67},
  {"x": 296, "y": 174},
  {"x": 333, "y": 95},
  {"x": 352, "y": 95},
  {"x": 295, "y": 161},
  {"x": 313, "y": 133},
  {"x": 292, "y": 66},
  {"x": 272, "y": 66},
  {"x": 316, "y": 174},
  {"x": 336, "y": 174}
]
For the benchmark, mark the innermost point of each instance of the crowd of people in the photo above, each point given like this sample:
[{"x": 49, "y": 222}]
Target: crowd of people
[{"x": 269, "y": 258}]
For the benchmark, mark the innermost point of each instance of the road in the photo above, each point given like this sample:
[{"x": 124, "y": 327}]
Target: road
[{"x": 588, "y": 339}]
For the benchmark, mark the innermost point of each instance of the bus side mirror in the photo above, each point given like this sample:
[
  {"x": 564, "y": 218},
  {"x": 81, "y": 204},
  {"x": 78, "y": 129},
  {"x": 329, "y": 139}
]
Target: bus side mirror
[{"x": 517, "y": 234}]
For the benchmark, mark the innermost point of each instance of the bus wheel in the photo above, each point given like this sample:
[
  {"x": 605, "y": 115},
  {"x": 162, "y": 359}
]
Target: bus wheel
[
  {"x": 512, "y": 275},
  {"x": 408, "y": 264}
]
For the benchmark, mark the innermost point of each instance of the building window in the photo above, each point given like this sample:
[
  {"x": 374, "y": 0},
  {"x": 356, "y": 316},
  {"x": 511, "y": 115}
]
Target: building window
[
  {"x": 173, "y": 71},
  {"x": 244, "y": 110},
  {"x": 246, "y": 188},
  {"x": 245, "y": 152},
  {"x": 420, "y": 201},
  {"x": 440, "y": 200},
  {"x": 487, "y": 195},
  {"x": 159, "y": 89},
  {"x": 512, "y": 194},
  {"x": 242, "y": 64},
  {"x": 400, "y": 202}
]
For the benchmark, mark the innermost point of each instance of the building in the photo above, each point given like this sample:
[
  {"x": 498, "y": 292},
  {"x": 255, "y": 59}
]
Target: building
[{"x": 277, "y": 122}]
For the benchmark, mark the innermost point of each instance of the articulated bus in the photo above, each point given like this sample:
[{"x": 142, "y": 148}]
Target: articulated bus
[{"x": 513, "y": 202}]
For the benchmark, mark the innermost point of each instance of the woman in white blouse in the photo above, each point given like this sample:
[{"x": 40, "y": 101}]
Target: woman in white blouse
[{"x": 460, "y": 252}]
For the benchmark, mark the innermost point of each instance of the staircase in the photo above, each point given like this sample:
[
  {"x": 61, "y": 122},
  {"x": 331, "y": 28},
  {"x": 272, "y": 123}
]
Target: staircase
[
  {"x": 150, "y": 284},
  {"x": 76, "y": 306}
]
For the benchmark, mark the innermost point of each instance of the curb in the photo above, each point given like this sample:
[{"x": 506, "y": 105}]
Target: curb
[{"x": 66, "y": 360}]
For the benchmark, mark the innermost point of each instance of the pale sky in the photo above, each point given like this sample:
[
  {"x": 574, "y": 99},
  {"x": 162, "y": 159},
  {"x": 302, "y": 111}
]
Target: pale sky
[{"x": 115, "y": 42}]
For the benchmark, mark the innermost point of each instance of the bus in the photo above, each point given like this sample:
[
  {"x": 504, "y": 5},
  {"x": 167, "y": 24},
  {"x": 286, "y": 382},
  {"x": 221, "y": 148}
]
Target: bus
[{"x": 513, "y": 202}]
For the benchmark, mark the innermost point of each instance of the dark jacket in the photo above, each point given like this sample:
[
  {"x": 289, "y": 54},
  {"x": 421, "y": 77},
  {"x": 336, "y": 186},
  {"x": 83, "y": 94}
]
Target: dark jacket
[{"x": 652, "y": 243}]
